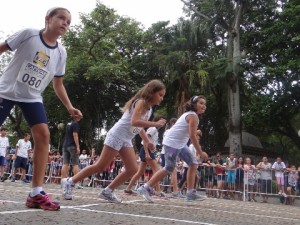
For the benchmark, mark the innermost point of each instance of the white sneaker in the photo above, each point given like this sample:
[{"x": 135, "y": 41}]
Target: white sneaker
[
  {"x": 68, "y": 189},
  {"x": 109, "y": 196},
  {"x": 284, "y": 195},
  {"x": 146, "y": 193},
  {"x": 194, "y": 196}
]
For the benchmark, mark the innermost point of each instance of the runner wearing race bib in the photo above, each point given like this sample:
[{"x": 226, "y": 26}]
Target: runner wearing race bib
[{"x": 38, "y": 59}]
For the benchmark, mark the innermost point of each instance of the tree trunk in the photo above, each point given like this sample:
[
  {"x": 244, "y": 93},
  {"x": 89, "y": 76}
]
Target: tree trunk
[{"x": 234, "y": 57}]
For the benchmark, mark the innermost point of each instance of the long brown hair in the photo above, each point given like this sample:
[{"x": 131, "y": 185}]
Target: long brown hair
[
  {"x": 190, "y": 105},
  {"x": 146, "y": 93}
]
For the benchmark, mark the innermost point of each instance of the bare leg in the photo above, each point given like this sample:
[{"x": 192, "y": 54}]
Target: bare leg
[
  {"x": 128, "y": 157},
  {"x": 107, "y": 156},
  {"x": 137, "y": 176},
  {"x": 41, "y": 136}
]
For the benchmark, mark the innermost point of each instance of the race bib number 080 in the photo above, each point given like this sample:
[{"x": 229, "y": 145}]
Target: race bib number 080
[{"x": 33, "y": 75}]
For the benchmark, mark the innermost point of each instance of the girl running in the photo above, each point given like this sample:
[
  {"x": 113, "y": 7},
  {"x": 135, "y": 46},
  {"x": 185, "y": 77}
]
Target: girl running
[
  {"x": 147, "y": 158},
  {"x": 39, "y": 59},
  {"x": 175, "y": 144},
  {"x": 137, "y": 112}
]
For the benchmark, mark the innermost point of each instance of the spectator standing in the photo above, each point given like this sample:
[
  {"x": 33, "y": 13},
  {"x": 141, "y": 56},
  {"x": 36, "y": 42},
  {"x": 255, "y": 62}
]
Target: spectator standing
[
  {"x": 265, "y": 177},
  {"x": 239, "y": 180},
  {"x": 231, "y": 165},
  {"x": 279, "y": 168},
  {"x": 23, "y": 149},
  {"x": 249, "y": 179},
  {"x": 71, "y": 147},
  {"x": 292, "y": 184},
  {"x": 4, "y": 145},
  {"x": 220, "y": 171}
]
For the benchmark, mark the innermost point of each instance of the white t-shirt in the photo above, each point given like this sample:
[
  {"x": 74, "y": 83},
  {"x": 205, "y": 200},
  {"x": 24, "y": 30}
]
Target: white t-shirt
[
  {"x": 83, "y": 158},
  {"x": 178, "y": 135},
  {"x": 123, "y": 128},
  {"x": 4, "y": 143},
  {"x": 23, "y": 147},
  {"x": 193, "y": 151},
  {"x": 32, "y": 68},
  {"x": 163, "y": 151},
  {"x": 153, "y": 133},
  {"x": 278, "y": 166}
]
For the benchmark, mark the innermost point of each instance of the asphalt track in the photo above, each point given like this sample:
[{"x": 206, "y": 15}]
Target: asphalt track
[{"x": 87, "y": 208}]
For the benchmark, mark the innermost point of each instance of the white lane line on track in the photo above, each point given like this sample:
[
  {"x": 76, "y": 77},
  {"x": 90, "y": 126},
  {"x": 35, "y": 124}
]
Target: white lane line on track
[
  {"x": 143, "y": 216},
  {"x": 19, "y": 211},
  {"x": 221, "y": 211}
]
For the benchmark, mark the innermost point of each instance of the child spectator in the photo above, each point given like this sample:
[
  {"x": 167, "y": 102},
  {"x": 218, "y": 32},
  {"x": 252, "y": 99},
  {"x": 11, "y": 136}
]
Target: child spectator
[
  {"x": 292, "y": 184},
  {"x": 249, "y": 179},
  {"x": 279, "y": 168},
  {"x": 266, "y": 178},
  {"x": 231, "y": 165},
  {"x": 239, "y": 180}
]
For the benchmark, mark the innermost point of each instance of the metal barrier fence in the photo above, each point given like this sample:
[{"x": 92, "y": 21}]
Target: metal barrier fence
[{"x": 243, "y": 185}]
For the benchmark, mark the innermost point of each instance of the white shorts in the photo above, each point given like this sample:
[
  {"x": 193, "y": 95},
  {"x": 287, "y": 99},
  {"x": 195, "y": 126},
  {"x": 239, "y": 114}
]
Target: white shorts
[{"x": 117, "y": 143}]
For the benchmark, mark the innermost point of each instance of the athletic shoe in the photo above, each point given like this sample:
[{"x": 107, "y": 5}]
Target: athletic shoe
[
  {"x": 145, "y": 192},
  {"x": 78, "y": 187},
  {"x": 68, "y": 189},
  {"x": 177, "y": 195},
  {"x": 13, "y": 179},
  {"x": 284, "y": 195},
  {"x": 3, "y": 179},
  {"x": 26, "y": 181},
  {"x": 130, "y": 192},
  {"x": 194, "y": 196},
  {"x": 42, "y": 201},
  {"x": 160, "y": 194},
  {"x": 109, "y": 196}
]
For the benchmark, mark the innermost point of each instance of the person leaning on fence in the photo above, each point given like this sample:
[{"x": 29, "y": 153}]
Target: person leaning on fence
[
  {"x": 279, "y": 168},
  {"x": 266, "y": 178},
  {"x": 136, "y": 114},
  {"x": 292, "y": 184},
  {"x": 220, "y": 172},
  {"x": 239, "y": 179},
  {"x": 249, "y": 179},
  {"x": 231, "y": 165}
]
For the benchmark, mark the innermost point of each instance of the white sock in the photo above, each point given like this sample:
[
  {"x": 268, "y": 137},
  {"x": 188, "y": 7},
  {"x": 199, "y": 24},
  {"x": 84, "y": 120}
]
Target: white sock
[
  {"x": 35, "y": 191},
  {"x": 70, "y": 181},
  {"x": 190, "y": 191},
  {"x": 147, "y": 185},
  {"x": 107, "y": 189}
]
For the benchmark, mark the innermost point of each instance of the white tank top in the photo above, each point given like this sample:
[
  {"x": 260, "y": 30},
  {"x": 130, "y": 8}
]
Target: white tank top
[
  {"x": 123, "y": 128},
  {"x": 178, "y": 136}
]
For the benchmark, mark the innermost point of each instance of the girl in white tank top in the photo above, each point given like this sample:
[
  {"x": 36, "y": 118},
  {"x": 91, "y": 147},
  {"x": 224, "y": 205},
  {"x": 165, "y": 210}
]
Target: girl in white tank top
[
  {"x": 175, "y": 144},
  {"x": 118, "y": 140}
]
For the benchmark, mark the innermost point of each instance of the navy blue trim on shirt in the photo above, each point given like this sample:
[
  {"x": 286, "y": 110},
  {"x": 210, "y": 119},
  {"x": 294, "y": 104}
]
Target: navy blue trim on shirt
[
  {"x": 48, "y": 46},
  {"x": 7, "y": 45}
]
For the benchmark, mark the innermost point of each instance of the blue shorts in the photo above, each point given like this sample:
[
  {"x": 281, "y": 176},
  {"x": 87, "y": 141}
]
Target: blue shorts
[
  {"x": 171, "y": 155},
  {"x": 33, "y": 112},
  {"x": 2, "y": 161},
  {"x": 231, "y": 174},
  {"x": 143, "y": 156},
  {"x": 20, "y": 162}
]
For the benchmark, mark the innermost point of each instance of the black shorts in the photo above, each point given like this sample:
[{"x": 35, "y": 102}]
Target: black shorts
[
  {"x": 20, "y": 162},
  {"x": 162, "y": 160},
  {"x": 143, "y": 156}
]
